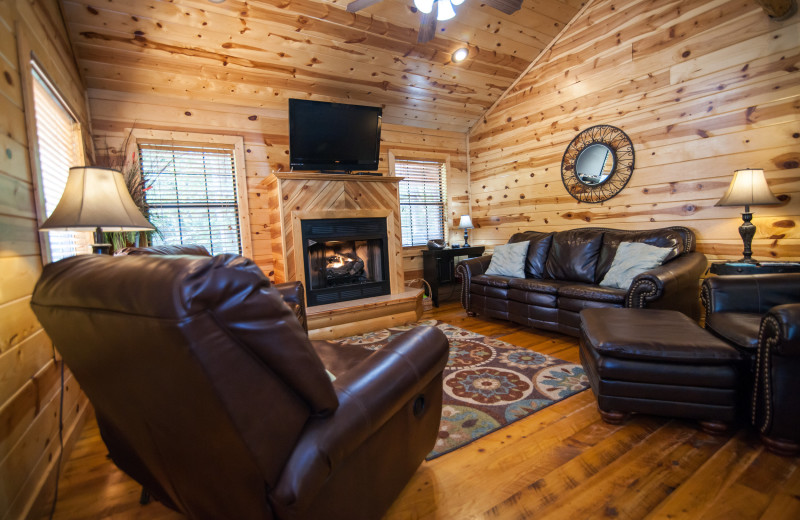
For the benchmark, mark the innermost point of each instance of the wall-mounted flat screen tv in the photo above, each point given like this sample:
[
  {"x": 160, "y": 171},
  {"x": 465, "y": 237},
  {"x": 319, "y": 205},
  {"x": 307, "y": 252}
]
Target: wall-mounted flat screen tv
[{"x": 333, "y": 136}]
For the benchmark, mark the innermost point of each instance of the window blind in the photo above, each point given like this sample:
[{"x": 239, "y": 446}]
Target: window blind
[
  {"x": 58, "y": 151},
  {"x": 191, "y": 193},
  {"x": 422, "y": 200}
]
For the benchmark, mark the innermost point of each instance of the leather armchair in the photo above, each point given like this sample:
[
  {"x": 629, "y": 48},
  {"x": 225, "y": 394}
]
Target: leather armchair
[
  {"x": 760, "y": 316},
  {"x": 210, "y": 394}
]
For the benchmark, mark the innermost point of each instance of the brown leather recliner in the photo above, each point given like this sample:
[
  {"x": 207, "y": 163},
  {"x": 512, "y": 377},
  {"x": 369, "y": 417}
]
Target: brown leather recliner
[
  {"x": 209, "y": 393},
  {"x": 760, "y": 316},
  {"x": 293, "y": 294}
]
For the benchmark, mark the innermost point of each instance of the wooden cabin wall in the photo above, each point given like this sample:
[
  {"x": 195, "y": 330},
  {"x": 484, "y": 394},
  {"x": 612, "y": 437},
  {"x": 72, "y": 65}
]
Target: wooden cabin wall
[
  {"x": 30, "y": 385},
  {"x": 701, "y": 87},
  {"x": 265, "y": 130}
]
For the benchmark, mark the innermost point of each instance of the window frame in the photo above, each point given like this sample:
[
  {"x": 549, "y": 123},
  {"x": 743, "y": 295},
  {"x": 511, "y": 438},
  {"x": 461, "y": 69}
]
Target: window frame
[
  {"x": 29, "y": 62},
  {"x": 403, "y": 155},
  {"x": 138, "y": 135}
]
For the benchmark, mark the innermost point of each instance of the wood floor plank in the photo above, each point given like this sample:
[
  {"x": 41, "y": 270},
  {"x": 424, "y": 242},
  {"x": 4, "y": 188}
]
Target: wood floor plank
[
  {"x": 786, "y": 502},
  {"x": 561, "y": 462},
  {"x": 700, "y": 491}
]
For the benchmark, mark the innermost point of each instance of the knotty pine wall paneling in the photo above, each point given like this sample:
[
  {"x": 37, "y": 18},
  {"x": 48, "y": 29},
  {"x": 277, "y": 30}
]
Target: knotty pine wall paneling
[
  {"x": 265, "y": 130},
  {"x": 29, "y": 374},
  {"x": 701, "y": 87}
]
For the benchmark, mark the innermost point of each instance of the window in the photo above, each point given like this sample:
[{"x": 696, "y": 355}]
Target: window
[
  {"x": 191, "y": 191},
  {"x": 422, "y": 200},
  {"x": 59, "y": 148}
]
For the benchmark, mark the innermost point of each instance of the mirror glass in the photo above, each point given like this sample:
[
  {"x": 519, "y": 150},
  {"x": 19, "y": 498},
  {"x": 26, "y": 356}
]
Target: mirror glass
[{"x": 594, "y": 164}]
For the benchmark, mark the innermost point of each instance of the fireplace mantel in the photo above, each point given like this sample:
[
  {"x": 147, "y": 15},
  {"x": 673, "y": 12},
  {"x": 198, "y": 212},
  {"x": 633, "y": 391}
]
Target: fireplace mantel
[
  {"x": 293, "y": 197},
  {"x": 311, "y": 176}
]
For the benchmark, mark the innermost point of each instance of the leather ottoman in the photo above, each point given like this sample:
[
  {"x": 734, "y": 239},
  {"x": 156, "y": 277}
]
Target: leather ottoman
[{"x": 658, "y": 362}]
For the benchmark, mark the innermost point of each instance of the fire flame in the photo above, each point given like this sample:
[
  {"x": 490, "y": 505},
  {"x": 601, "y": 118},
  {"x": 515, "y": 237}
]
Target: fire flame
[{"x": 338, "y": 261}]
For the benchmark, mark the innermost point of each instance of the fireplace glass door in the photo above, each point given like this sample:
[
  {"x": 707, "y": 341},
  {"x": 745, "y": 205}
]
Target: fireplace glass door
[{"x": 345, "y": 259}]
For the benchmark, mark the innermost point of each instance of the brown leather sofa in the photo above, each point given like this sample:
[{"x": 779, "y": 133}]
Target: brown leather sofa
[
  {"x": 760, "y": 316},
  {"x": 209, "y": 393},
  {"x": 562, "y": 272}
]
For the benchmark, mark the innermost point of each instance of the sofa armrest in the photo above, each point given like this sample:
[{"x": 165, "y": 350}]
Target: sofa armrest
[
  {"x": 673, "y": 285},
  {"x": 369, "y": 395},
  {"x": 780, "y": 329},
  {"x": 293, "y": 294},
  {"x": 466, "y": 269},
  {"x": 755, "y": 293}
]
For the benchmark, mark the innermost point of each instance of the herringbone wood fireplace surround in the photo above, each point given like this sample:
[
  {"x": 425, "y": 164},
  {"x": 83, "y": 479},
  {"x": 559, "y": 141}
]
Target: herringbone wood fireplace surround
[{"x": 294, "y": 197}]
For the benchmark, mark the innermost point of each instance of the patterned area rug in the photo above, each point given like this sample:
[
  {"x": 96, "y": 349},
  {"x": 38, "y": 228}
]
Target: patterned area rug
[{"x": 488, "y": 383}]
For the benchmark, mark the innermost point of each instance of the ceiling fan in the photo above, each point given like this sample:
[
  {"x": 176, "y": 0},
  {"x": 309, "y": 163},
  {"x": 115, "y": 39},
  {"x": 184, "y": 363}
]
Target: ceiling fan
[{"x": 444, "y": 11}]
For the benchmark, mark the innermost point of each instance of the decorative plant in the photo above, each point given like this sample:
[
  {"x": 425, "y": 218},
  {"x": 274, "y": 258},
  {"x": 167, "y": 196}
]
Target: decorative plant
[{"x": 137, "y": 186}]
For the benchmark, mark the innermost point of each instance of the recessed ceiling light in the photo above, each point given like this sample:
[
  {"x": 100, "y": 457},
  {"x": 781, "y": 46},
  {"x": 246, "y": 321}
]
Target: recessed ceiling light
[
  {"x": 460, "y": 54},
  {"x": 216, "y": 1}
]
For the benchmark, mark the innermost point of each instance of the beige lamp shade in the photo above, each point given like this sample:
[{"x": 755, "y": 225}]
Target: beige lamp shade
[
  {"x": 748, "y": 188},
  {"x": 96, "y": 198},
  {"x": 465, "y": 222}
]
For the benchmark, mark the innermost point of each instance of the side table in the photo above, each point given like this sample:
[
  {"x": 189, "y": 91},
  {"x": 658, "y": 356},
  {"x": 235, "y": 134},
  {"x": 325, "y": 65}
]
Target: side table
[
  {"x": 727, "y": 268},
  {"x": 437, "y": 266}
]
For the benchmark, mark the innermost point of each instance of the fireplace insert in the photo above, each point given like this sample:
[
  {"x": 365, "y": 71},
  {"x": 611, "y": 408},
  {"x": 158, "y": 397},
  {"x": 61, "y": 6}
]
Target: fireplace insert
[{"x": 345, "y": 259}]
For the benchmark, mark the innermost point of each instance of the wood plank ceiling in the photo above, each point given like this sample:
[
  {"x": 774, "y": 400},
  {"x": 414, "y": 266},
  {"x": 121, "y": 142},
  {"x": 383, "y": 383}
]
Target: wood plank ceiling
[{"x": 262, "y": 52}]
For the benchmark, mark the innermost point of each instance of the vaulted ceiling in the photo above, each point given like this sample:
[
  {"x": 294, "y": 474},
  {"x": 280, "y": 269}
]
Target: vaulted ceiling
[{"x": 262, "y": 52}]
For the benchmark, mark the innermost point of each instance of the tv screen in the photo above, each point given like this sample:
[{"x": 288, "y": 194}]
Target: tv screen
[{"x": 333, "y": 136}]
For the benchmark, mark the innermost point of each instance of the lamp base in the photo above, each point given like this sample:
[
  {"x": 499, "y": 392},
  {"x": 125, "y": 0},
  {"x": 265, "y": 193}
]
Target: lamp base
[
  {"x": 466, "y": 237},
  {"x": 747, "y": 231}
]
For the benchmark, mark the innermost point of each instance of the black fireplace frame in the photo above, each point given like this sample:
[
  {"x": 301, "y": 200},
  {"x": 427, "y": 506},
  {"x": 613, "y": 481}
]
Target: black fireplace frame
[{"x": 346, "y": 229}]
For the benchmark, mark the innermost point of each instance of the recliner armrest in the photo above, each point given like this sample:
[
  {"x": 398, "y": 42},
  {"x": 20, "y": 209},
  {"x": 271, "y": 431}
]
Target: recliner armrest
[
  {"x": 369, "y": 395},
  {"x": 293, "y": 294},
  {"x": 781, "y": 326},
  {"x": 755, "y": 293},
  {"x": 673, "y": 285}
]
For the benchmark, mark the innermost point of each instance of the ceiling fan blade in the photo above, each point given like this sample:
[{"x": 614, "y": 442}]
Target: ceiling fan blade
[
  {"x": 427, "y": 27},
  {"x": 358, "y": 5},
  {"x": 506, "y": 6}
]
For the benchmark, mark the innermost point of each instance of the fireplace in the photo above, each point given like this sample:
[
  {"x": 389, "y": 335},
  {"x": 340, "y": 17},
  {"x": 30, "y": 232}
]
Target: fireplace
[{"x": 345, "y": 259}]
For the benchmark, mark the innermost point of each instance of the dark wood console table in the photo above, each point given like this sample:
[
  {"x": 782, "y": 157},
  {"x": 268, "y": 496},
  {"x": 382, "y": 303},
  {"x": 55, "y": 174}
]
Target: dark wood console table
[
  {"x": 437, "y": 266},
  {"x": 726, "y": 268}
]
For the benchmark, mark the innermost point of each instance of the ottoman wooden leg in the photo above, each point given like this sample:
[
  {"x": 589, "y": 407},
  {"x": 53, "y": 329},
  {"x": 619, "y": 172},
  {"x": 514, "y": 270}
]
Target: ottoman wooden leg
[
  {"x": 614, "y": 416},
  {"x": 714, "y": 427},
  {"x": 783, "y": 447},
  {"x": 471, "y": 314}
]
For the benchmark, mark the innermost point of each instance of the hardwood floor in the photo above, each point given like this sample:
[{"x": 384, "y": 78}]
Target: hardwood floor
[{"x": 561, "y": 462}]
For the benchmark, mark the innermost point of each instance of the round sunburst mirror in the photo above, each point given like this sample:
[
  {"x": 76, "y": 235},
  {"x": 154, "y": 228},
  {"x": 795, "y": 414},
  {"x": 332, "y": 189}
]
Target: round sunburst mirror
[{"x": 597, "y": 164}]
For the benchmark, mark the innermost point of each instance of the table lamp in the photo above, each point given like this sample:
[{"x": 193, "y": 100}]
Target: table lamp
[
  {"x": 748, "y": 188},
  {"x": 466, "y": 224},
  {"x": 96, "y": 199}
]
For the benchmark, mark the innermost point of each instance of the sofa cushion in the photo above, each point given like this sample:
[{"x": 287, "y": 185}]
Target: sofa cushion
[
  {"x": 537, "y": 285},
  {"x": 509, "y": 260},
  {"x": 665, "y": 237},
  {"x": 537, "y": 251},
  {"x": 573, "y": 255},
  {"x": 740, "y": 329},
  {"x": 631, "y": 260},
  {"x": 576, "y": 305},
  {"x": 593, "y": 293},
  {"x": 532, "y": 298}
]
